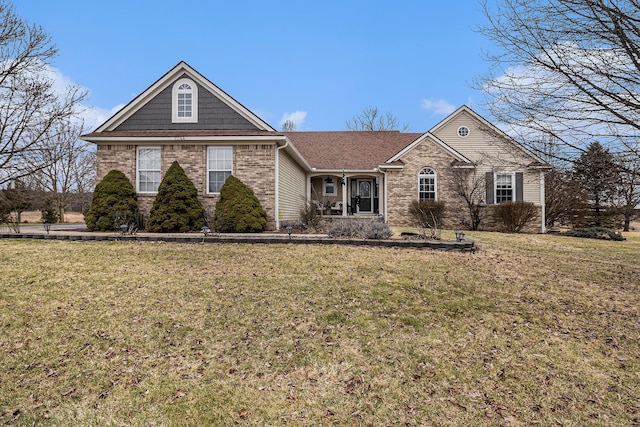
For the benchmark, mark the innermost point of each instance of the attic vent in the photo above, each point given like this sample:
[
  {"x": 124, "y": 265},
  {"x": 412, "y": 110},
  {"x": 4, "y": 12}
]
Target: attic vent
[{"x": 463, "y": 131}]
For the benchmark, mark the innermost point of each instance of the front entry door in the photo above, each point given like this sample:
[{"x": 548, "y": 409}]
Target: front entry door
[{"x": 365, "y": 192}]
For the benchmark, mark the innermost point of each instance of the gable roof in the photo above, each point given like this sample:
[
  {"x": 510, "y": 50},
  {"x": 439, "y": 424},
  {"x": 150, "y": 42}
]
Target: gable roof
[
  {"x": 458, "y": 157},
  {"x": 349, "y": 150},
  {"x": 490, "y": 127},
  {"x": 168, "y": 78}
]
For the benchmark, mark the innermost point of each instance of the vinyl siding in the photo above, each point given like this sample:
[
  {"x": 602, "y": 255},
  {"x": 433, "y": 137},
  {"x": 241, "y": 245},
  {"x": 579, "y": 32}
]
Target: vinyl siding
[
  {"x": 292, "y": 187},
  {"x": 493, "y": 154}
]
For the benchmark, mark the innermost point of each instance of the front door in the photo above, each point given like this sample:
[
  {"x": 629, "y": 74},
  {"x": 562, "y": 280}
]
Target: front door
[{"x": 365, "y": 192}]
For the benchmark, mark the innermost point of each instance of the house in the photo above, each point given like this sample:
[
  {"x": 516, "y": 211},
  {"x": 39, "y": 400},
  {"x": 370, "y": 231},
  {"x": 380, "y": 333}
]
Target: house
[{"x": 185, "y": 117}]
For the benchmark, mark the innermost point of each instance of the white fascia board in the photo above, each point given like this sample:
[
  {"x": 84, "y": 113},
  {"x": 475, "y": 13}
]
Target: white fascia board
[
  {"x": 433, "y": 138},
  {"x": 391, "y": 167},
  {"x": 184, "y": 139},
  {"x": 346, "y": 171}
]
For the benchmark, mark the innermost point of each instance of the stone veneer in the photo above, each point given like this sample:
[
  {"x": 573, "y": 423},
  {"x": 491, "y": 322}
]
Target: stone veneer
[{"x": 252, "y": 164}]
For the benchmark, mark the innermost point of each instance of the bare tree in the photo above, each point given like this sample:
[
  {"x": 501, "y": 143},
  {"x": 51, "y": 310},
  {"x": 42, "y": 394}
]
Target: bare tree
[
  {"x": 288, "y": 126},
  {"x": 565, "y": 200},
  {"x": 568, "y": 69},
  {"x": 372, "y": 119},
  {"x": 69, "y": 165},
  {"x": 470, "y": 186},
  {"x": 30, "y": 108},
  {"x": 628, "y": 197}
]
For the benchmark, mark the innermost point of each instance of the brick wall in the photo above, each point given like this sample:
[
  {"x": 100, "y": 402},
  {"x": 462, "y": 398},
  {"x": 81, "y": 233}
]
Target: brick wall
[
  {"x": 402, "y": 185},
  {"x": 253, "y": 164}
]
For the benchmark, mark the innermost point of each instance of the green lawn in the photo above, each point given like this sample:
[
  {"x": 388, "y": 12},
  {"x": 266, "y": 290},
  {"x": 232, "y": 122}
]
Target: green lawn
[{"x": 530, "y": 329}]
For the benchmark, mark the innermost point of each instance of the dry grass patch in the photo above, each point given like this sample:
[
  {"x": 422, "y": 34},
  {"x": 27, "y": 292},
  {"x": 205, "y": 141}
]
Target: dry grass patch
[
  {"x": 35, "y": 217},
  {"x": 528, "y": 330}
]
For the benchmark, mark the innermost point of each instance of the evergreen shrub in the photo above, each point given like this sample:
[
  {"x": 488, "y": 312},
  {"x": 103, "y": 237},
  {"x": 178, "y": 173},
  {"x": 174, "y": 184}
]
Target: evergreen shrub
[
  {"x": 176, "y": 208},
  {"x": 113, "y": 197},
  {"x": 49, "y": 212},
  {"x": 238, "y": 210}
]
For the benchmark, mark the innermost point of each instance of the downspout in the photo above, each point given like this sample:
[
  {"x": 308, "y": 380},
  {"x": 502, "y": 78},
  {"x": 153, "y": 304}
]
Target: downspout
[
  {"x": 543, "y": 204},
  {"x": 385, "y": 198},
  {"x": 277, "y": 185}
]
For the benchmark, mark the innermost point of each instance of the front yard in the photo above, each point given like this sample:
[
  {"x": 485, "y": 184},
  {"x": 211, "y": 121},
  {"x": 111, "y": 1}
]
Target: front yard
[{"x": 530, "y": 329}]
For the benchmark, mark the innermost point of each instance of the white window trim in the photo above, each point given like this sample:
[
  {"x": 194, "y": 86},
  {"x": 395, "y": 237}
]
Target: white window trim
[
  {"x": 495, "y": 186},
  {"x": 435, "y": 181},
  {"x": 194, "y": 102},
  {"x": 207, "y": 168},
  {"x": 138, "y": 168},
  {"x": 463, "y": 136}
]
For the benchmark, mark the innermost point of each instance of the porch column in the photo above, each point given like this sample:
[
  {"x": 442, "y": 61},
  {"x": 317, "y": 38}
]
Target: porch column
[{"x": 345, "y": 188}]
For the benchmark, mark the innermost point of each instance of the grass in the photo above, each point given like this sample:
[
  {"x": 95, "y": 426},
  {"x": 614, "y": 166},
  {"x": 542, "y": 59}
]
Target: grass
[{"x": 530, "y": 329}]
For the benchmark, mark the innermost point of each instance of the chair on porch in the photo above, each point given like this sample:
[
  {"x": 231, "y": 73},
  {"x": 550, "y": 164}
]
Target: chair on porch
[{"x": 336, "y": 209}]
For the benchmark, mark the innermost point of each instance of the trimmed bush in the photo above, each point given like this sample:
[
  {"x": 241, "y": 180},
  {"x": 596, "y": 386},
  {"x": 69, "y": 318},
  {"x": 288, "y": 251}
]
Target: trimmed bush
[
  {"x": 238, "y": 210},
  {"x": 176, "y": 208},
  {"x": 515, "y": 216},
  {"x": 595, "y": 233},
  {"x": 427, "y": 215},
  {"x": 113, "y": 197},
  {"x": 363, "y": 229}
]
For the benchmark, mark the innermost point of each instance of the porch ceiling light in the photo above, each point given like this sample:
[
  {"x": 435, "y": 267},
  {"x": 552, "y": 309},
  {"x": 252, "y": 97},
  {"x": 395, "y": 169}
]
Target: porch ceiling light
[{"x": 328, "y": 179}]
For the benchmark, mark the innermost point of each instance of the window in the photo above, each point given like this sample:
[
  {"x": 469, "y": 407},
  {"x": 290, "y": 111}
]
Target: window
[
  {"x": 504, "y": 187},
  {"x": 427, "y": 184},
  {"x": 463, "y": 131},
  {"x": 329, "y": 187},
  {"x": 219, "y": 167},
  {"x": 148, "y": 169},
  {"x": 185, "y": 101}
]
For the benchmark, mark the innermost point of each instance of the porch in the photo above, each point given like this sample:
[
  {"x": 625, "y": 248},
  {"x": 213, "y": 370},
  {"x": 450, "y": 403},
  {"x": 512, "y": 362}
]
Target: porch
[{"x": 342, "y": 195}]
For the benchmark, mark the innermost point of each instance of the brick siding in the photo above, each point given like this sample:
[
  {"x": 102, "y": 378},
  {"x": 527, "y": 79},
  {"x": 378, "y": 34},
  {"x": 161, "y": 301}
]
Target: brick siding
[{"x": 253, "y": 164}]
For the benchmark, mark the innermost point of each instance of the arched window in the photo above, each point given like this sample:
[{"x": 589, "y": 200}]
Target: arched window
[
  {"x": 185, "y": 101},
  {"x": 427, "y": 188}
]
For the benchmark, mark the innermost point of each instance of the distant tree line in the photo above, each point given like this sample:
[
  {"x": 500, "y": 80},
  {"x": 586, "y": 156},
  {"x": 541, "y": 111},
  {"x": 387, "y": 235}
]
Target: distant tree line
[{"x": 600, "y": 189}]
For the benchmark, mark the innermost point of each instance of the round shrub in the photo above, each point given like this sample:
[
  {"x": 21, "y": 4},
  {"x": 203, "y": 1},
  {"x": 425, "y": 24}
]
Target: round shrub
[
  {"x": 595, "y": 233},
  {"x": 176, "y": 207},
  {"x": 114, "y": 197},
  {"x": 515, "y": 216},
  {"x": 238, "y": 210}
]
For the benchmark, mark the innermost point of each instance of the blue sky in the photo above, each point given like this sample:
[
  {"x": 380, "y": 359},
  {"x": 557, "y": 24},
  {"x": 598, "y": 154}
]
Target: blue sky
[{"x": 326, "y": 60}]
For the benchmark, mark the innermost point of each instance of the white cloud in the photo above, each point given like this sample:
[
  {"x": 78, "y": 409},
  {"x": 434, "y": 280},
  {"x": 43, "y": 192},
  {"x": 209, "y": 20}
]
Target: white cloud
[
  {"x": 95, "y": 116},
  {"x": 297, "y": 118},
  {"x": 440, "y": 106},
  {"x": 91, "y": 117}
]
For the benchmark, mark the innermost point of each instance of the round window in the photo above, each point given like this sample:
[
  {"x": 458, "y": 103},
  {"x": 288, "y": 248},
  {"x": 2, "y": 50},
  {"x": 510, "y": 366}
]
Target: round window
[{"x": 463, "y": 131}]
